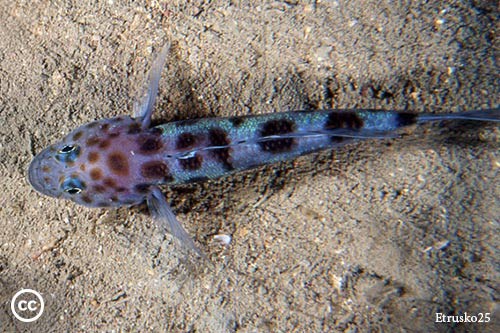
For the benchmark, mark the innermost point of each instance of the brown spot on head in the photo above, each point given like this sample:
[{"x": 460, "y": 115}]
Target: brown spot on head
[
  {"x": 46, "y": 180},
  {"x": 156, "y": 170},
  {"x": 99, "y": 188},
  {"x": 77, "y": 135},
  {"x": 96, "y": 174},
  {"x": 105, "y": 127},
  {"x": 86, "y": 199},
  {"x": 92, "y": 141},
  {"x": 185, "y": 140},
  {"x": 277, "y": 127},
  {"x": 149, "y": 145},
  {"x": 219, "y": 138},
  {"x": 142, "y": 188},
  {"x": 120, "y": 189},
  {"x": 104, "y": 144},
  {"x": 118, "y": 163},
  {"x": 134, "y": 128},
  {"x": 192, "y": 163},
  {"x": 46, "y": 168},
  {"x": 82, "y": 167},
  {"x": 93, "y": 157},
  {"x": 92, "y": 124},
  {"x": 109, "y": 182},
  {"x": 113, "y": 134}
]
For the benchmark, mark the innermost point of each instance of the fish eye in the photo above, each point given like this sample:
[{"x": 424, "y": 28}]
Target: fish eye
[
  {"x": 67, "y": 149},
  {"x": 73, "y": 190},
  {"x": 68, "y": 153},
  {"x": 72, "y": 186}
]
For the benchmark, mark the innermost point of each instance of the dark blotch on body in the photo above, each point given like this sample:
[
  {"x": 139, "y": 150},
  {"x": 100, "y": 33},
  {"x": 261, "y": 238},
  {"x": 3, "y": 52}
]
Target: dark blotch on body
[
  {"x": 134, "y": 128},
  {"x": 277, "y": 127},
  {"x": 217, "y": 138},
  {"x": 156, "y": 131},
  {"x": 198, "y": 179},
  {"x": 185, "y": 140},
  {"x": 118, "y": 164},
  {"x": 188, "y": 122},
  {"x": 236, "y": 121},
  {"x": 342, "y": 120},
  {"x": 193, "y": 163},
  {"x": 150, "y": 145},
  {"x": 406, "y": 118},
  {"x": 157, "y": 170}
]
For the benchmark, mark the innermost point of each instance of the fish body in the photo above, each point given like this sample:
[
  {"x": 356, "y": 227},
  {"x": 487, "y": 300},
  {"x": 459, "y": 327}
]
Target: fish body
[
  {"x": 114, "y": 162},
  {"x": 121, "y": 161}
]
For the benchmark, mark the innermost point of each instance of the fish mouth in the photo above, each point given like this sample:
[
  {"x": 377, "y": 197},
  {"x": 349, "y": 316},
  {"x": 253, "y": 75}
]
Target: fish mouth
[{"x": 42, "y": 182}]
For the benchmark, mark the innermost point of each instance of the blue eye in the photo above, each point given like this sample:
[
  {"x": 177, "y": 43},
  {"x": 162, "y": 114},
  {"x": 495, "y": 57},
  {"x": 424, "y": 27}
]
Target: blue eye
[
  {"x": 72, "y": 186},
  {"x": 68, "y": 153}
]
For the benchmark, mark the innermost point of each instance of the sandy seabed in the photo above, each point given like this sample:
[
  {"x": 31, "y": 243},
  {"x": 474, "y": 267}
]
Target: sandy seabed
[{"x": 377, "y": 236}]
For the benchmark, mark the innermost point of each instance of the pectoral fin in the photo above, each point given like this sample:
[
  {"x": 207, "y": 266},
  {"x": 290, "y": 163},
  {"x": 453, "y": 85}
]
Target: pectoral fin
[
  {"x": 143, "y": 107},
  {"x": 166, "y": 220}
]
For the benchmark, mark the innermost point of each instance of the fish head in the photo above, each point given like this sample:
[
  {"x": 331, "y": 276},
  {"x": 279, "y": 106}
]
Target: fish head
[{"x": 91, "y": 165}]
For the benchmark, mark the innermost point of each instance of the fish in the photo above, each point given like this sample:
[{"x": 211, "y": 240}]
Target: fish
[{"x": 123, "y": 161}]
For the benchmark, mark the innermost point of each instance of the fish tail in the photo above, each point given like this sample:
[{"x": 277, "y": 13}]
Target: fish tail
[{"x": 479, "y": 115}]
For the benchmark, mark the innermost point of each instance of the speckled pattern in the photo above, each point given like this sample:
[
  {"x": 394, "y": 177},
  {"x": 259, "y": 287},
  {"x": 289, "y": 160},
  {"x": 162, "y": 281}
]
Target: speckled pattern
[{"x": 113, "y": 162}]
